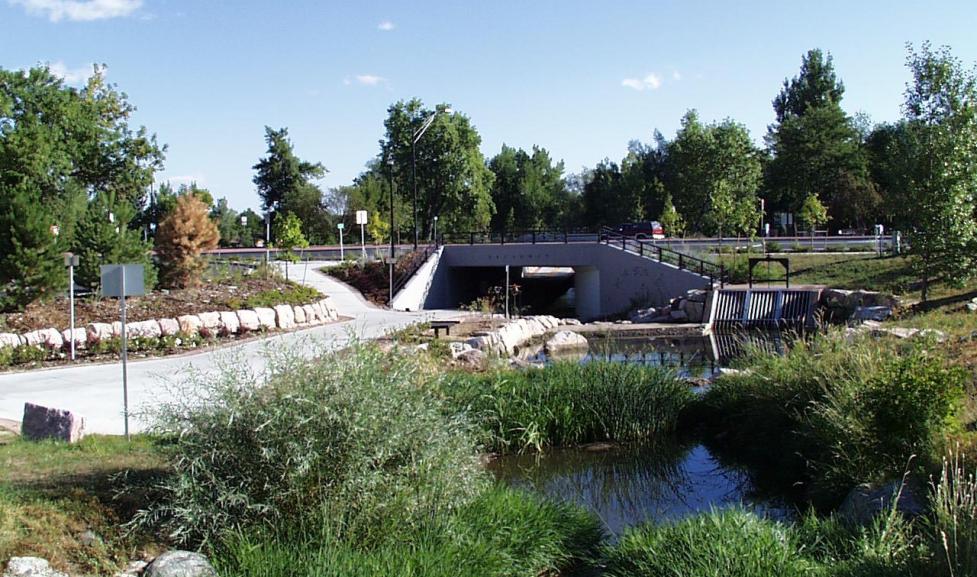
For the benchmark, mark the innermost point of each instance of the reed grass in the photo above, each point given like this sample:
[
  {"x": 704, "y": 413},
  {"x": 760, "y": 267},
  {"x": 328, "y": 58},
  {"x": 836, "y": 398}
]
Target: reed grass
[
  {"x": 567, "y": 404},
  {"x": 954, "y": 503}
]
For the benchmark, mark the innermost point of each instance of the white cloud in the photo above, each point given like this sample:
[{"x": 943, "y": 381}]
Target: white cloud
[
  {"x": 370, "y": 79},
  {"x": 386, "y": 26},
  {"x": 676, "y": 75},
  {"x": 79, "y": 10},
  {"x": 72, "y": 76},
  {"x": 649, "y": 82}
]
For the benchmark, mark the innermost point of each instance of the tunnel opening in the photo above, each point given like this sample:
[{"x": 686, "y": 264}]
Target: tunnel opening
[{"x": 532, "y": 290}]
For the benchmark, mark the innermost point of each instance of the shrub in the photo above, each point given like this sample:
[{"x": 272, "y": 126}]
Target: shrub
[
  {"x": 836, "y": 414},
  {"x": 352, "y": 434},
  {"x": 29, "y": 354},
  {"x": 293, "y": 295},
  {"x": 568, "y": 403},
  {"x": 730, "y": 543},
  {"x": 181, "y": 238},
  {"x": 6, "y": 356}
]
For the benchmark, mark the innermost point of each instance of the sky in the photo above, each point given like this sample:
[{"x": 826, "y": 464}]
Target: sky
[{"x": 579, "y": 78}]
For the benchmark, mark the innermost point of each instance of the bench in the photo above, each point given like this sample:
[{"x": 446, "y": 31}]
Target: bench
[{"x": 446, "y": 325}]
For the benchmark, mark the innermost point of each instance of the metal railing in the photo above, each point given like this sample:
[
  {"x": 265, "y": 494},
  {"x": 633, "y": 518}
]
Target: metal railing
[
  {"x": 520, "y": 237},
  {"x": 415, "y": 262},
  {"x": 650, "y": 249}
]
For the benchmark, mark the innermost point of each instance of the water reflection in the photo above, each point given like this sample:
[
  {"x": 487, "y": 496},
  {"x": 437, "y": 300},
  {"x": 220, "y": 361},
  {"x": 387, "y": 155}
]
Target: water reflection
[{"x": 625, "y": 487}]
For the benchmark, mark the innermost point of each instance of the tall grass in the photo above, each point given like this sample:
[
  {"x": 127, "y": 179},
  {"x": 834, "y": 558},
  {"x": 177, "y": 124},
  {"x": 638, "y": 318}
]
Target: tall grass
[
  {"x": 502, "y": 532},
  {"x": 836, "y": 414},
  {"x": 356, "y": 434},
  {"x": 954, "y": 502},
  {"x": 567, "y": 404}
]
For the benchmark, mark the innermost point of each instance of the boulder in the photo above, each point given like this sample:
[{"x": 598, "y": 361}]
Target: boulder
[
  {"x": 144, "y": 329},
  {"x": 873, "y": 313},
  {"x": 972, "y": 307},
  {"x": 248, "y": 320},
  {"x": 862, "y": 298},
  {"x": 45, "y": 423},
  {"x": 30, "y": 567},
  {"x": 169, "y": 327},
  {"x": 458, "y": 349},
  {"x": 329, "y": 312},
  {"x": 190, "y": 324},
  {"x": 299, "y": 313},
  {"x": 678, "y": 316},
  {"x": 835, "y": 297},
  {"x": 472, "y": 359},
  {"x": 313, "y": 314},
  {"x": 695, "y": 311},
  {"x": 696, "y": 295},
  {"x": 571, "y": 322},
  {"x": 284, "y": 316},
  {"x": 180, "y": 564},
  {"x": 210, "y": 324},
  {"x": 48, "y": 338},
  {"x": 864, "y": 502},
  {"x": 230, "y": 325},
  {"x": 80, "y": 337},
  {"x": 10, "y": 340},
  {"x": 266, "y": 318},
  {"x": 117, "y": 329},
  {"x": 98, "y": 332},
  {"x": 565, "y": 340}
]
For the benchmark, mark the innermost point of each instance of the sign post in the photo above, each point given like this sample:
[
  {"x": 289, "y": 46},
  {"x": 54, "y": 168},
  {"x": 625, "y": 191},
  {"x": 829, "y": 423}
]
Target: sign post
[
  {"x": 361, "y": 220},
  {"x": 71, "y": 261},
  {"x": 121, "y": 280},
  {"x": 342, "y": 255},
  {"x": 506, "y": 292}
]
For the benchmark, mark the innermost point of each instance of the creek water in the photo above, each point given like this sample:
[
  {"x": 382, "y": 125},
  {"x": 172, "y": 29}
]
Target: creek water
[{"x": 663, "y": 482}]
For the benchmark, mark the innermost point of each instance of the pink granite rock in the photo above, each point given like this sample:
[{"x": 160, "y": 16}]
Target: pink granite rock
[
  {"x": 248, "y": 319},
  {"x": 169, "y": 327},
  {"x": 44, "y": 423},
  {"x": 189, "y": 325}
]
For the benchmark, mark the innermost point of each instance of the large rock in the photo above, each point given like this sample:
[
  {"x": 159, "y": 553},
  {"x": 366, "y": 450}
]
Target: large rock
[
  {"x": 266, "y": 318},
  {"x": 835, "y": 297},
  {"x": 98, "y": 332},
  {"x": 10, "y": 340},
  {"x": 230, "y": 325},
  {"x": 458, "y": 349},
  {"x": 210, "y": 324},
  {"x": 678, "y": 316},
  {"x": 284, "y": 316},
  {"x": 299, "y": 313},
  {"x": 45, "y": 423},
  {"x": 472, "y": 359},
  {"x": 180, "y": 564},
  {"x": 873, "y": 313},
  {"x": 169, "y": 327},
  {"x": 695, "y": 310},
  {"x": 48, "y": 338},
  {"x": 30, "y": 567},
  {"x": 313, "y": 314},
  {"x": 144, "y": 329},
  {"x": 79, "y": 336},
  {"x": 864, "y": 502},
  {"x": 190, "y": 325},
  {"x": 248, "y": 319},
  {"x": 565, "y": 341},
  {"x": 696, "y": 295},
  {"x": 328, "y": 310}
]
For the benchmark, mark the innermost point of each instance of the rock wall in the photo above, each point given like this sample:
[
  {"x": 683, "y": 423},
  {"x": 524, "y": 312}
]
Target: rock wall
[
  {"x": 507, "y": 339},
  {"x": 208, "y": 324}
]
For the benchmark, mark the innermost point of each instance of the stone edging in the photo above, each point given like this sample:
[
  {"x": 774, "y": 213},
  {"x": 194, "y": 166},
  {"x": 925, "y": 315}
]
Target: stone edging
[
  {"x": 209, "y": 324},
  {"x": 507, "y": 339}
]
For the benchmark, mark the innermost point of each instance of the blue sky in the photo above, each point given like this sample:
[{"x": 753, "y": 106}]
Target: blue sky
[{"x": 580, "y": 78}]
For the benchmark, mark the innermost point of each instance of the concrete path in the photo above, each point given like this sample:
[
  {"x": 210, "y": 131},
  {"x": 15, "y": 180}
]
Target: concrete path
[{"x": 95, "y": 390}]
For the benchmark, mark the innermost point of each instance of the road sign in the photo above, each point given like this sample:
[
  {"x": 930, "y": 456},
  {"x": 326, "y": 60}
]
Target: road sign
[
  {"x": 360, "y": 217},
  {"x": 340, "y": 226},
  {"x": 119, "y": 277},
  {"x": 122, "y": 280}
]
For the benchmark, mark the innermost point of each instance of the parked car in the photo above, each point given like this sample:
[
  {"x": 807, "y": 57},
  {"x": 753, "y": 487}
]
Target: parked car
[{"x": 642, "y": 230}]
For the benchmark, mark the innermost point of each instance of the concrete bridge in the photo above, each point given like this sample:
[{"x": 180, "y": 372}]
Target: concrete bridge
[{"x": 610, "y": 275}]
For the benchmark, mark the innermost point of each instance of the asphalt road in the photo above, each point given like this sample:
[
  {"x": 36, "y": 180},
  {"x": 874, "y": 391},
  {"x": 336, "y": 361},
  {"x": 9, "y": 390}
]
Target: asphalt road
[{"x": 95, "y": 390}]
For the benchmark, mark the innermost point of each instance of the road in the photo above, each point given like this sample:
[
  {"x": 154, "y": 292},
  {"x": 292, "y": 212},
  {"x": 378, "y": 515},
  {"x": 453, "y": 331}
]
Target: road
[{"x": 94, "y": 391}]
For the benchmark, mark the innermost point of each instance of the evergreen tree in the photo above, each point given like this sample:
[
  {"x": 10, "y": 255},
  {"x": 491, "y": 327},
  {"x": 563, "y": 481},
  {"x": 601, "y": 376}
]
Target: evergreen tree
[
  {"x": 104, "y": 237},
  {"x": 285, "y": 183},
  {"x": 31, "y": 266}
]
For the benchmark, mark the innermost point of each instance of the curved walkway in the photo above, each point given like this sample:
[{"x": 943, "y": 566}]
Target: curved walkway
[{"x": 94, "y": 391}]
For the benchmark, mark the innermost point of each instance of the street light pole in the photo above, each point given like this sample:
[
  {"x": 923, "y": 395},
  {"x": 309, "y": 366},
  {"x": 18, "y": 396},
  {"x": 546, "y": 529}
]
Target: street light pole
[
  {"x": 390, "y": 175},
  {"x": 413, "y": 158}
]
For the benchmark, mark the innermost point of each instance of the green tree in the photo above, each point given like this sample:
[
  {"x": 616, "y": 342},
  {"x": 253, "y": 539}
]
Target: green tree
[
  {"x": 528, "y": 190},
  {"x": 30, "y": 263},
  {"x": 60, "y": 146},
  {"x": 288, "y": 237},
  {"x": 812, "y": 213},
  {"x": 671, "y": 221},
  {"x": 285, "y": 184},
  {"x": 605, "y": 200},
  {"x": 228, "y": 223},
  {"x": 816, "y": 147},
  {"x": 104, "y": 237},
  {"x": 453, "y": 181},
  {"x": 713, "y": 173},
  {"x": 940, "y": 165}
]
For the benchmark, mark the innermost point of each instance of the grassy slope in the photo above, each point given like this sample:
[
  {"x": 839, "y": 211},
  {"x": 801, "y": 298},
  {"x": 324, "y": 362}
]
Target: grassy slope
[{"x": 50, "y": 494}]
